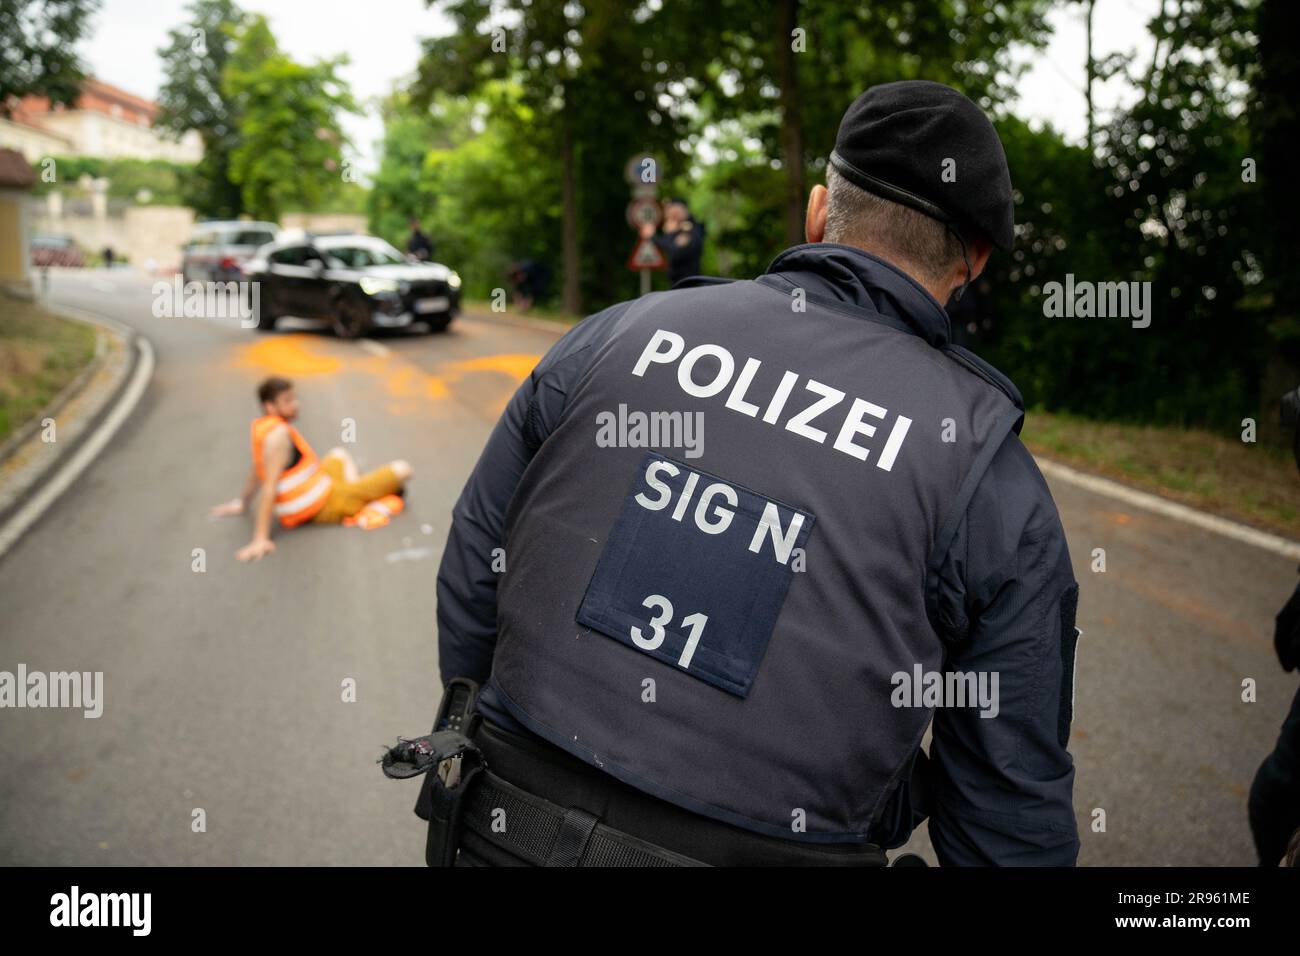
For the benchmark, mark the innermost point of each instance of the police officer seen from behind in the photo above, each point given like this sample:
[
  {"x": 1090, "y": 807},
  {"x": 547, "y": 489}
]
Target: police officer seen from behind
[{"x": 732, "y": 656}]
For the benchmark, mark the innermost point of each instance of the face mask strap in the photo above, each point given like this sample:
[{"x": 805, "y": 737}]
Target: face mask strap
[{"x": 956, "y": 296}]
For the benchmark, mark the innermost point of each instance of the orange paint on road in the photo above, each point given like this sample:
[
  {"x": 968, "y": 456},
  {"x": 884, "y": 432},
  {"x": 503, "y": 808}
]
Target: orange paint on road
[
  {"x": 1202, "y": 613},
  {"x": 302, "y": 356},
  {"x": 516, "y": 367},
  {"x": 287, "y": 355}
]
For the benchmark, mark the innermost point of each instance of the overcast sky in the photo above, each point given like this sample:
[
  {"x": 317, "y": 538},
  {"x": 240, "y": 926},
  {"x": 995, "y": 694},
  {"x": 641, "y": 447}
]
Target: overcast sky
[{"x": 381, "y": 38}]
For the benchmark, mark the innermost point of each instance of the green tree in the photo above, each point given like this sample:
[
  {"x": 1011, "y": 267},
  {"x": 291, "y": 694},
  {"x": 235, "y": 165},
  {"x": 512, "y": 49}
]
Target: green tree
[
  {"x": 1275, "y": 129},
  {"x": 471, "y": 171},
  {"x": 741, "y": 196},
  {"x": 1161, "y": 200},
  {"x": 402, "y": 189},
  {"x": 192, "y": 98},
  {"x": 799, "y": 63},
  {"x": 600, "y": 84},
  {"x": 39, "y": 56},
  {"x": 150, "y": 182},
  {"x": 1175, "y": 179},
  {"x": 742, "y": 101},
  {"x": 289, "y": 142}
]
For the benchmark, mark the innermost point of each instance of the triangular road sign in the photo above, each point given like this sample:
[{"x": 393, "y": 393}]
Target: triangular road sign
[{"x": 646, "y": 255}]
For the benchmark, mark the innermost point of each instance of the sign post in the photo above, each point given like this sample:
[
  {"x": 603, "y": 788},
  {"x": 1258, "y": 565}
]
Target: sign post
[
  {"x": 642, "y": 174},
  {"x": 646, "y": 258}
]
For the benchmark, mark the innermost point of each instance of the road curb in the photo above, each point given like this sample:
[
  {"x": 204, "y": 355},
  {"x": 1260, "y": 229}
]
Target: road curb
[
  {"x": 28, "y": 428},
  {"x": 1118, "y": 491},
  {"x": 21, "y": 507}
]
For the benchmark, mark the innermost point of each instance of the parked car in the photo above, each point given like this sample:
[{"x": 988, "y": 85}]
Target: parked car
[
  {"x": 217, "y": 251},
  {"x": 56, "y": 251},
  {"x": 357, "y": 283}
]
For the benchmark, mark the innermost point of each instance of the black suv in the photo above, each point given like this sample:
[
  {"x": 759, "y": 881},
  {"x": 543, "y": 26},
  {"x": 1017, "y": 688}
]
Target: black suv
[{"x": 358, "y": 283}]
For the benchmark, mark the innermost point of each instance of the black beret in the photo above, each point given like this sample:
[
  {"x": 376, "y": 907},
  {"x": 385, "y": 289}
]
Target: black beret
[{"x": 893, "y": 142}]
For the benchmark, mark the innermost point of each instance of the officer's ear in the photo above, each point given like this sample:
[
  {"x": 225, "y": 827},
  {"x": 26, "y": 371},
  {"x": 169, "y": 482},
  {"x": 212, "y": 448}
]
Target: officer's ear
[
  {"x": 814, "y": 226},
  {"x": 979, "y": 250}
]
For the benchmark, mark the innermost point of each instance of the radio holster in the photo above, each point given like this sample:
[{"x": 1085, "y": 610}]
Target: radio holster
[{"x": 449, "y": 761}]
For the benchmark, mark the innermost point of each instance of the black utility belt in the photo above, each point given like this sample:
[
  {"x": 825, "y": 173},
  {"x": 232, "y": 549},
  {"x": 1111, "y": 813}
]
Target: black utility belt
[
  {"x": 477, "y": 817},
  {"x": 460, "y": 794},
  {"x": 542, "y": 833}
]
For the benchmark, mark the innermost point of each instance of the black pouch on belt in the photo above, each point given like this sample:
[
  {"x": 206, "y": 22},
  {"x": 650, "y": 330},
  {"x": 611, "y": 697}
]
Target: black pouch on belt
[{"x": 449, "y": 762}]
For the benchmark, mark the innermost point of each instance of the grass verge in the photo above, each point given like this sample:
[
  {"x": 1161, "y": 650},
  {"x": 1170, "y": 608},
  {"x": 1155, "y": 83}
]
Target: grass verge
[
  {"x": 1253, "y": 483},
  {"x": 40, "y": 353}
]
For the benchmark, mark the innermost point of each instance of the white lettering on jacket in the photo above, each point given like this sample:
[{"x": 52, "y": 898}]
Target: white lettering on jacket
[
  {"x": 711, "y": 516},
  {"x": 808, "y": 419}
]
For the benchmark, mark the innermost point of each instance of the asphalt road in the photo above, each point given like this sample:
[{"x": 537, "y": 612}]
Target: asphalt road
[{"x": 224, "y": 688}]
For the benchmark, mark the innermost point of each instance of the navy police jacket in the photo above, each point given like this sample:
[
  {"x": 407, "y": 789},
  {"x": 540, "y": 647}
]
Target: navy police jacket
[{"x": 740, "y": 544}]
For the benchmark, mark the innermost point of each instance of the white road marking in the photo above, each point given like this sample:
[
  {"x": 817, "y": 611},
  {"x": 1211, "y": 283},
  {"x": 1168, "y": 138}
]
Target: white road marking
[
  {"x": 1171, "y": 509},
  {"x": 374, "y": 348},
  {"x": 408, "y": 554},
  {"x": 85, "y": 453}
]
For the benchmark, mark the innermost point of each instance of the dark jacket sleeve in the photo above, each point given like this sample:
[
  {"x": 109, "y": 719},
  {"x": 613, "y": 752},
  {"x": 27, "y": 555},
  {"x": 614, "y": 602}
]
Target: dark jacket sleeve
[
  {"x": 1001, "y": 787},
  {"x": 467, "y": 577},
  {"x": 682, "y": 256}
]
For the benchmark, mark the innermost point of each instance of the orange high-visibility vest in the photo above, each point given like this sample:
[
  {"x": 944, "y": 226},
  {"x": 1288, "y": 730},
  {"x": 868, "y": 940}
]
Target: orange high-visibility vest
[
  {"x": 302, "y": 490},
  {"x": 376, "y": 513}
]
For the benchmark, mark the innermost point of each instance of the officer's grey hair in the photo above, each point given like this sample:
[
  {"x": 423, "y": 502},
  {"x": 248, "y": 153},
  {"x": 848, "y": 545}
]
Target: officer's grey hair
[{"x": 911, "y": 240}]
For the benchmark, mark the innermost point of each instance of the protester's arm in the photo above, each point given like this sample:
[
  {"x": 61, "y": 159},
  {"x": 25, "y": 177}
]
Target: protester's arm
[
  {"x": 275, "y": 457},
  {"x": 236, "y": 506},
  {"x": 1002, "y": 786},
  {"x": 467, "y": 578},
  {"x": 250, "y": 488}
]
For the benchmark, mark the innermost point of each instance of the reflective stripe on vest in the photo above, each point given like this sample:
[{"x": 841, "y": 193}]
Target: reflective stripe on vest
[
  {"x": 299, "y": 503},
  {"x": 292, "y": 480},
  {"x": 302, "y": 490}
]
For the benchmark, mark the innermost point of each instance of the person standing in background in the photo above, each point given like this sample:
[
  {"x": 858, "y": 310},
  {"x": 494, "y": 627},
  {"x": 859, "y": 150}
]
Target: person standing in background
[
  {"x": 682, "y": 241},
  {"x": 419, "y": 245}
]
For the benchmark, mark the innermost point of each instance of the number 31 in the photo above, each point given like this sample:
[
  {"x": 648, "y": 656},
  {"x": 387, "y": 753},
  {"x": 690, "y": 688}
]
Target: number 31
[{"x": 695, "y": 622}]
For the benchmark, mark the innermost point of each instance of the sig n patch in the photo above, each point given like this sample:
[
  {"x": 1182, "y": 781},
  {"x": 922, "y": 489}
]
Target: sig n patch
[{"x": 695, "y": 572}]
